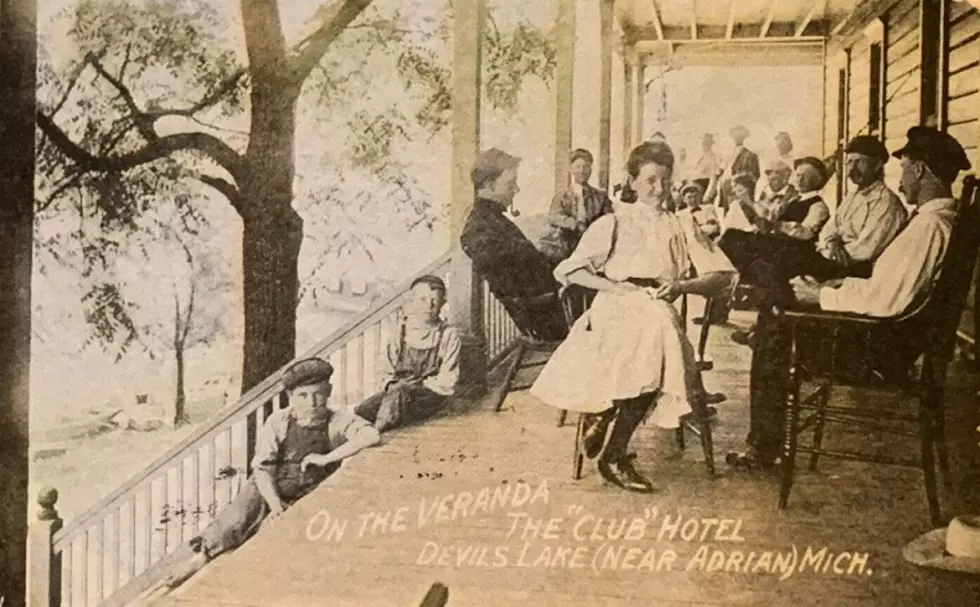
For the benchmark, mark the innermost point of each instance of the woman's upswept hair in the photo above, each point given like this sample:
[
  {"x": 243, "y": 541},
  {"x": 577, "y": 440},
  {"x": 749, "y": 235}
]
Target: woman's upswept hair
[{"x": 657, "y": 152}]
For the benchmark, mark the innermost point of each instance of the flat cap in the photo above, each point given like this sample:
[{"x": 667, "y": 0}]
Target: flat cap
[
  {"x": 306, "y": 372},
  {"x": 490, "y": 164},
  {"x": 868, "y": 146},
  {"x": 816, "y": 163},
  {"x": 739, "y": 129},
  {"x": 939, "y": 150}
]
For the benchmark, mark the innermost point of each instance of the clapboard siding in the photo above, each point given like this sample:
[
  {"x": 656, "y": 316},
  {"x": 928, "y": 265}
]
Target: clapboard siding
[{"x": 902, "y": 78}]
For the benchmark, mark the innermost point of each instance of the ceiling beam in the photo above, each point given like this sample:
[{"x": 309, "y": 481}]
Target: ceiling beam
[
  {"x": 694, "y": 19},
  {"x": 657, "y": 23},
  {"x": 817, "y": 5},
  {"x": 769, "y": 17},
  {"x": 730, "y": 29},
  {"x": 779, "y": 30}
]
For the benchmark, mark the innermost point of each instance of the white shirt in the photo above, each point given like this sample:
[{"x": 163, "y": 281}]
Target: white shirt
[
  {"x": 866, "y": 222},
  {"x": 905, "y": 270}
]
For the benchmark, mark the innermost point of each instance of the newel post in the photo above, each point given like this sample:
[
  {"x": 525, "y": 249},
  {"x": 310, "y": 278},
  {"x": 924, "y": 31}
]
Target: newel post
[{"x": 43, "y": 565}]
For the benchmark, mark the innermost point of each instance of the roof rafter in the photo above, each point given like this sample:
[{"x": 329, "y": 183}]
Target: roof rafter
[
  {"x": 769, "y": 17},
  {"x": 657, "y": 23},
  {"x": 730, "y": 28},
  {"x": 816, "y": 6},
  {"x": 694, "y": 19}
]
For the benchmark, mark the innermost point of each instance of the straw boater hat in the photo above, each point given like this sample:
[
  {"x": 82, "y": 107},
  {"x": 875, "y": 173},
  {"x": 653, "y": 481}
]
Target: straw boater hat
[{"x": 953, "y": 548}]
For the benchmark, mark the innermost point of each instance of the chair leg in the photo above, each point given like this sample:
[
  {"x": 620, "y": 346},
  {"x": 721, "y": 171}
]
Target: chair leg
[
  {"x": 562, "y": 416},
  {"x": 579, "y": 457},
  {"x": 679, "y": 436},
  {"x": 818, "y": 429},
  {"x": 703, "y": 335},
  {"x": 929, "y": 468},
  {"x": 707, "y": 444},
  {"x": 790, "y": 422}
]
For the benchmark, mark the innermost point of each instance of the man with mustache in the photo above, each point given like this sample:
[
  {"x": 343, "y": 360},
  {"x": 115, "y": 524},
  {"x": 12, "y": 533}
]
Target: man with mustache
[{"x": 848, "y": 244}]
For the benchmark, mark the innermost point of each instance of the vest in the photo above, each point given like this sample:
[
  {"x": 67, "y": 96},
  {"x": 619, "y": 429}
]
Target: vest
[{"x": 797, "y": 210}]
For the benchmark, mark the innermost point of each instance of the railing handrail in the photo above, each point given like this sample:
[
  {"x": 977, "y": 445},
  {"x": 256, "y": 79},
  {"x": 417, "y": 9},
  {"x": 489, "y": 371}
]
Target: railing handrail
[{"x": 260, "y": 393}]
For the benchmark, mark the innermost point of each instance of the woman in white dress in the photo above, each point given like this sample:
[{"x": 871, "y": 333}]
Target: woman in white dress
[{"x": 629, "y": 351}]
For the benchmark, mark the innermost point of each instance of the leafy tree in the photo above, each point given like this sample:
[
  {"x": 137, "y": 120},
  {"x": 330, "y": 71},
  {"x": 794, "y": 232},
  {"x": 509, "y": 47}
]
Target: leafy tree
[{"x": 158, "y": 98}]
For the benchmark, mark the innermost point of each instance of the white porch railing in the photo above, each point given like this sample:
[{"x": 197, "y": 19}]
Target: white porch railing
[{"x": 119, "y": 540}]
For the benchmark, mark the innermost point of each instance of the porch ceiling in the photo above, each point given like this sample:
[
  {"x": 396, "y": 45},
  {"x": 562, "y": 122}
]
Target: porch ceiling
[{"x": 687, "y": 21}]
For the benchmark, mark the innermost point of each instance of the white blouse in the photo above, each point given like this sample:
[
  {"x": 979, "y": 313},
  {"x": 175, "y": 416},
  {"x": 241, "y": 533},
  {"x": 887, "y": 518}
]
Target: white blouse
[{"x": 639, "y": 242}]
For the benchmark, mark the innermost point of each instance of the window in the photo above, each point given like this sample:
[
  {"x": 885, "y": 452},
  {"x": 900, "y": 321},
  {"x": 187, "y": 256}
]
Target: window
[
  {"x": 875, "y": 100},
  {"x": 934, "y": 46},
  {"x": 875, "y": 32}
]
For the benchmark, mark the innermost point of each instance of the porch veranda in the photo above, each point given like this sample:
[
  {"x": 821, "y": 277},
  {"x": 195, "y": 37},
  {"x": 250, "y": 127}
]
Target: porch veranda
[{"x": 845, "y": 507}]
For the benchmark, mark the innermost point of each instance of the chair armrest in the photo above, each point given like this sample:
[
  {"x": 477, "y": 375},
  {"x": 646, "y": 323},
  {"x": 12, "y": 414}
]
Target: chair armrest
[{"x": 816, "y": 315}]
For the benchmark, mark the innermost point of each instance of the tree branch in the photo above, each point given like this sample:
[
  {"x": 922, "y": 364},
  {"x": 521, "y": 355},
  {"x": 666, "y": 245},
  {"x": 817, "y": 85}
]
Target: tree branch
[
  {"x": 225, "y": 188},
  {"x": 311, "y": 50},
  {"x": 205, "y": 102},
  {"x": 140, "y": 118},
  {"x": 216, "y": 149}
]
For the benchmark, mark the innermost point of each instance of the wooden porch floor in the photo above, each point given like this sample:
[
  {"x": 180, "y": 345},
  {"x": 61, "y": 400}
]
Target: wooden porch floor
[{"x": 844, "y": 506}]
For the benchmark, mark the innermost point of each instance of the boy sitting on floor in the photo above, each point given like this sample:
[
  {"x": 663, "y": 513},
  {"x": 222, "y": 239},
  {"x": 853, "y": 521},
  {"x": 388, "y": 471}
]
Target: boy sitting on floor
[{"x": 296, "y": 449}]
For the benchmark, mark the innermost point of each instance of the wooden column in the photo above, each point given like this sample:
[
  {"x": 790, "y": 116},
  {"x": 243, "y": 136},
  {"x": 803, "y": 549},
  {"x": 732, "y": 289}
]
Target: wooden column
[
  {"x": 639, "y": 98},
  {"x": 605, "y": 88},
  {"x": 564, "y": 88},
  {"x": 18, "y": 51},
  {"x": 465, "y": 295},
  {"x": 627, "y": 102}
]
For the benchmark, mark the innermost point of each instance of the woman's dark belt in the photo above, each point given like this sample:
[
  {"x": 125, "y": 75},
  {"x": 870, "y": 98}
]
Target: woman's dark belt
[{"x": 644, "y": 282}]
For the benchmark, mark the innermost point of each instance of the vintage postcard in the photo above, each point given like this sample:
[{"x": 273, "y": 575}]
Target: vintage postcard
[{"x": 493, "y": 302}]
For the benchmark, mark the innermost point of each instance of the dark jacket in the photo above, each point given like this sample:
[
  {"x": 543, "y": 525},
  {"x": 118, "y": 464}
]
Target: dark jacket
[
  {"x": 511, "y": 264},
  {"x": 570, "y": 218}
]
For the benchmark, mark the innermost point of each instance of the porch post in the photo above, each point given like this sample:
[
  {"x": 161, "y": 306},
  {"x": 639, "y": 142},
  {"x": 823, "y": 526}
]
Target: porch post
[
  {"x": 44, "y": 570},
  {"x": 564, "y": 88},
  {"x": 605, "y": 89},
  {"x": 465, "y": 295},
  {"x": 628, "y": 58},
  {"x": 639, "y": 97},
  {"x": 18, "y": 59}
]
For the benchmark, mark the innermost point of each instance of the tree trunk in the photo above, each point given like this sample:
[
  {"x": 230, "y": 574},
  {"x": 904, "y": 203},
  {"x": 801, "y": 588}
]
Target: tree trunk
[
  {"x": 180, "y": 398},
  {"x": 18, "y": 46}
]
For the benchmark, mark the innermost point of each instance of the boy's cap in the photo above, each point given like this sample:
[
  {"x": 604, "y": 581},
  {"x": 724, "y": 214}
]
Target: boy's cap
[{"x": 306, "y": 372}]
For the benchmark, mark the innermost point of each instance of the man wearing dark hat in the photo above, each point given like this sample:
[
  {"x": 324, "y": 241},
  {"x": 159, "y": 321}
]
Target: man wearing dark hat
[
  {"x": 576, "y": 207},
  {"x": 848, "y": 243},
  {"x": 518, "y": 274},
  {"x": 295, "y": 450},
  {"x": 905, "y": 270}
]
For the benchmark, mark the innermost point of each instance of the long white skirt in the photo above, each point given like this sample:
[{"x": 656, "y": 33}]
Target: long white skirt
[{"x": 624, "y": 346}]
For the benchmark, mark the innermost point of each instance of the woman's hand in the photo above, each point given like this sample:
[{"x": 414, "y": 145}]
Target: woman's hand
[{"x": 669, "y": 291}]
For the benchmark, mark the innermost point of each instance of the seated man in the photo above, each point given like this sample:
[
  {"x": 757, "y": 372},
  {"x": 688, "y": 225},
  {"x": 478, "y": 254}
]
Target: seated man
[
  {"x": 846, "y": 245},
  {"x": 779, "y": 193},
  {"x": 903, "y": 273},
  {"x": 422, "y": 362},
  {"x": 575, "y": 208},
  {"x": 789, "y": 228},
  {"x": 518, "y": 274},
  {"x": 296, "y": 449}
]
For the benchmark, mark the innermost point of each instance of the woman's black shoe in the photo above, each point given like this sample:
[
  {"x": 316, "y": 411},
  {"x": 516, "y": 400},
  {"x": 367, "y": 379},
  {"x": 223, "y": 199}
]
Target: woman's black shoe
[{"x": 624, "y": 475}]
